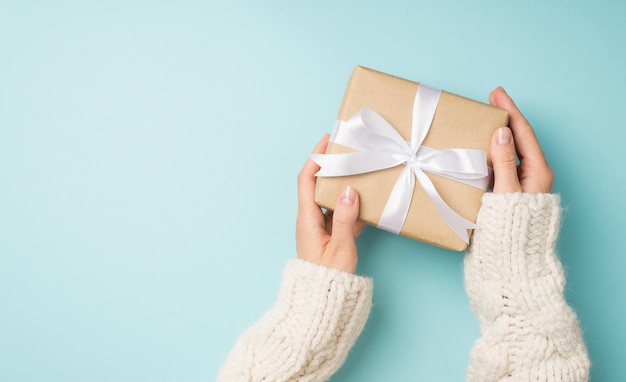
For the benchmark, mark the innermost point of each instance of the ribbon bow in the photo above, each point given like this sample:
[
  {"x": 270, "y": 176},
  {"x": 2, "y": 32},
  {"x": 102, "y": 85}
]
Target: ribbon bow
[{"x": 380, "y": 146}]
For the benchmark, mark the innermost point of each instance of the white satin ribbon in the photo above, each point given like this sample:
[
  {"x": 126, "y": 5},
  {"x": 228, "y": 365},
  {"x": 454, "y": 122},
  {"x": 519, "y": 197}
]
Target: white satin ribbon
[{"x": 380, "y": 146}]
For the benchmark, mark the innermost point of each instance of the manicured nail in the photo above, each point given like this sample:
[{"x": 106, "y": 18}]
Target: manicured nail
[
  {"x": 348, "y": 196},
  {"x": 504, "y": 136}
]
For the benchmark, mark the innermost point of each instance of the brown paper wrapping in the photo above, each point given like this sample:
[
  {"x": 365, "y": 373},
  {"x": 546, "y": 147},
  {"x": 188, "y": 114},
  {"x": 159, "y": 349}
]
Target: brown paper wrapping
[{"x": 459, "y": 122}]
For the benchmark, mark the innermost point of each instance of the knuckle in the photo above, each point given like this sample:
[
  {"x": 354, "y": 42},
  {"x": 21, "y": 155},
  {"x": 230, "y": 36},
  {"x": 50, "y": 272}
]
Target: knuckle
[
  {"x": 544, "y": 171},
  {"x": 339, "y": 220},
  {"x": 506, "y": 160}
]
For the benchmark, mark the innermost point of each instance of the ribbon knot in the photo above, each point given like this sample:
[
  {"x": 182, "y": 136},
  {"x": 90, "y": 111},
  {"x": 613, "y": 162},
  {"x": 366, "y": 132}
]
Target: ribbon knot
[
  {"x": 380, "y": 146},
  {"x": 414, "y": 162}
]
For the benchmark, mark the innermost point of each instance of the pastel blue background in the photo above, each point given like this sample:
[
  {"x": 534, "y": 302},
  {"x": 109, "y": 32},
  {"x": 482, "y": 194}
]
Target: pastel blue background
[{"x": 149, "y": 152}]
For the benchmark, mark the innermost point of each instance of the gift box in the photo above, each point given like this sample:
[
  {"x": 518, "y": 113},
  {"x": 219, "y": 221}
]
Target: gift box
[{"x": 418, "y": 157}]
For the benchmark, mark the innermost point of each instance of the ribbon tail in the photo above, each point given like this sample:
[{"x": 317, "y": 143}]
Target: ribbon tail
[
  {"x": 397, "y": 207},
  {"x": 457, "y": 223}
]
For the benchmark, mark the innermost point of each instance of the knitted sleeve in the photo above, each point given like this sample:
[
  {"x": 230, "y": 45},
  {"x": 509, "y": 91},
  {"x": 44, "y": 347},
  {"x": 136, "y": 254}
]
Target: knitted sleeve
[
  {"x": 515, "y": 282},
  {"x": 307, "y": 334}
]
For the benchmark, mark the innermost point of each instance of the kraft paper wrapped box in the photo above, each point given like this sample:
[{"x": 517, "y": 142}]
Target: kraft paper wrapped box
[{"x": 457, "y": 123}]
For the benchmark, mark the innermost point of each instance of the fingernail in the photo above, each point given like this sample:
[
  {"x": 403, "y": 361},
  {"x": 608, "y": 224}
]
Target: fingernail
[
  {"x": 504, "y": 136},
  {"x": 348, "y": 196}
]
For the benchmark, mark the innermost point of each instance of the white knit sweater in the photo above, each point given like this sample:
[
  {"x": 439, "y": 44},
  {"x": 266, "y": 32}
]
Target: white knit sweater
[
  {"x": 306, "y": 336},
  {"x": 513, "y": 279},
  {"x": 515, "y": 282}
]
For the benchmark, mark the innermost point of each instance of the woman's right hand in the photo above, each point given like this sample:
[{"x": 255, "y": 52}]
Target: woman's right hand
[
  {"x": 532, "y": 174},
  {"x": 326, "y": 239}
]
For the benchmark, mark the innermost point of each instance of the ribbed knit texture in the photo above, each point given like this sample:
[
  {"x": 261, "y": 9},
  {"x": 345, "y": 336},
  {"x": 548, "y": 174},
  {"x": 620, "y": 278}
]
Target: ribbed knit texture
[
  {"x": 307, "y": 334},
  {"x": 515, "y": 283}
]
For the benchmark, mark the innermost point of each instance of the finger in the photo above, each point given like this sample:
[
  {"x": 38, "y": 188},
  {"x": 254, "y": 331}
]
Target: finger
[
  {"x": 526, "y": 143},
  {"x": 504, "y": 162},
  {"x": 359, "y": 226},
  {"x": 308, "y": 210},
  {"x": 345, "y": 217}
]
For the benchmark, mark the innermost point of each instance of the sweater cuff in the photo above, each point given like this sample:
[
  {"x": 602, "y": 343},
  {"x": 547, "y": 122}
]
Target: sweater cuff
[
  {"x": 519, "y": 230},
  {"x": 512, "y": 254},
  {"x": 524, "y": 213},
  {"x": 320, "y": 312},
  {"x": 323, "y": 287},
  {"x": 312, "y": 272}
]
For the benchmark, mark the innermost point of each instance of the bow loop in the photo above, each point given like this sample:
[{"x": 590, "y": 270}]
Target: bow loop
[
  {"x": 367, "y": 130},
  {"x": 457, "y": 163}
]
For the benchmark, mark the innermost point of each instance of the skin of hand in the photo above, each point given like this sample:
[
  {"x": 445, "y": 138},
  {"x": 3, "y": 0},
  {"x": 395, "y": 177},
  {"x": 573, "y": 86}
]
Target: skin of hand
[
  {"x": 326, "y": 238},
  {"x": 532, "y": 174}
]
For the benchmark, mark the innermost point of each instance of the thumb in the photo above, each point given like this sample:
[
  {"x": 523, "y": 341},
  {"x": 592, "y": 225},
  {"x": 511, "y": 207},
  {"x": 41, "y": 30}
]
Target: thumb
[
  {"x": 504, "y": 162},
  {"x": 345, "y": 216}
]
